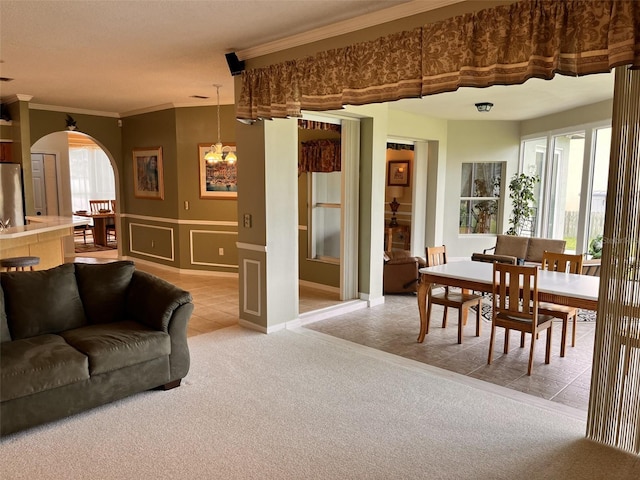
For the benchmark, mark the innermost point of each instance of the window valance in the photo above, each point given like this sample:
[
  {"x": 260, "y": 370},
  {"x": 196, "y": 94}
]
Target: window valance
[
  {"x": 323, "y": 155},
  {"x": 504, "y": 45}
]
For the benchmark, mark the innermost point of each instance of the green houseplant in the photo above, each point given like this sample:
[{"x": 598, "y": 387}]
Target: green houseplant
[{"x": 523, "y": 200}]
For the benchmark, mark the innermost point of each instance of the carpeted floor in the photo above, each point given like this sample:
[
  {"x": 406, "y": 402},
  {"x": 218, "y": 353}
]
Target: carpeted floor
[{"x": 302, "y": 405}]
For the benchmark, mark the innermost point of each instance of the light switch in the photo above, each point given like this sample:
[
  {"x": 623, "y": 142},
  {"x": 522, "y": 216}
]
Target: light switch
[{"x": 247, "y": 220}]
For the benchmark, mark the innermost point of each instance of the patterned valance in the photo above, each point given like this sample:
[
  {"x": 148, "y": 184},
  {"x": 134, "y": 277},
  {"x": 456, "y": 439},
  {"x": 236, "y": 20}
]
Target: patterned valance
[
  {"x": 322, "y": 155},
  {"x": 314, "y": 125},
  {"x": 503, "y": 45}
]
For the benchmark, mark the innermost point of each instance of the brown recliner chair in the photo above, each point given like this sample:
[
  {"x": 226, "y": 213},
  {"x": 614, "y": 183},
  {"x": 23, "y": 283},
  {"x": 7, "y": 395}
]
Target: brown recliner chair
[{"x": 400, "y": 274}]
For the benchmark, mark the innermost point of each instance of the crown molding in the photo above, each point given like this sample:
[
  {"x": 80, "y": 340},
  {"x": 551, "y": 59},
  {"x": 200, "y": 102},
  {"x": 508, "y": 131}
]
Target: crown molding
[
  {"x": 57, "y": 108},
  {"x": 346, "y": 26},
  {"x": 18, "y": 97}
]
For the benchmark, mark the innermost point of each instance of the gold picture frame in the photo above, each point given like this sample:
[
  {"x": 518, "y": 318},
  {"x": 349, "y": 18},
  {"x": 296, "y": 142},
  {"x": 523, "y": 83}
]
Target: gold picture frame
[
  {"x": 217, "y": 180},
  {"x": 148, "y": 173}
]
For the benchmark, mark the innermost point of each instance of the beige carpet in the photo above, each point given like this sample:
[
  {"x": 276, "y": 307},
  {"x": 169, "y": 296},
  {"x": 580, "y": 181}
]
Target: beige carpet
[{"x": 300, "y": 405}]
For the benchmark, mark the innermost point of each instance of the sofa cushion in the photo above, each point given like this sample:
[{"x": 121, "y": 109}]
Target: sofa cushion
[
  {"x": 537, "y": 247},
  {"x": 5, "y": 336},
  {"x": 103, "y": 289},
  {"x": 44, "y": 301},
  {"x": 35, "y": 364},
  {"x": 111, "y": 346},
  {"x": 512, "y": 246}
]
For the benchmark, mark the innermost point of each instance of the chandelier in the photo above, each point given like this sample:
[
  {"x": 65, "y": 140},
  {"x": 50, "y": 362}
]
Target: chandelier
[{"x": 219, "y": 153}]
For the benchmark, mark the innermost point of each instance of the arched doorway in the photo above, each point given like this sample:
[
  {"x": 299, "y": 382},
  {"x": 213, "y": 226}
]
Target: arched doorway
[{"x": 69, "y": 170}]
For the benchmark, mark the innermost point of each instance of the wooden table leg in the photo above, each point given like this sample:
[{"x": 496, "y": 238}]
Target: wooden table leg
[
  {"x": 100, "y": 231},
  {"x": 423, "y": 289}
]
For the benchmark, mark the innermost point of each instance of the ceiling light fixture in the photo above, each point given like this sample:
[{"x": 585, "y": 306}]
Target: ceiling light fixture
[
  {"x": 484, "y": 106},
  {"x": 218, "y": 153}
]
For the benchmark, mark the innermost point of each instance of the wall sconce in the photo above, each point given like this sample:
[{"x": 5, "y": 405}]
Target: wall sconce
[{"x": 484, "y": 106}]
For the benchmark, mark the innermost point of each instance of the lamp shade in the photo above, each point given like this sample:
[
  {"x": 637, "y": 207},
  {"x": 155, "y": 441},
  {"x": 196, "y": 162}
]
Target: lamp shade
[{"x": 395, "y": 192}]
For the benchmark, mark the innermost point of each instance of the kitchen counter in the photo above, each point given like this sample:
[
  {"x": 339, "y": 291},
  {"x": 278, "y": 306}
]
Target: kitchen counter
[{"x": 42, "y": 237}]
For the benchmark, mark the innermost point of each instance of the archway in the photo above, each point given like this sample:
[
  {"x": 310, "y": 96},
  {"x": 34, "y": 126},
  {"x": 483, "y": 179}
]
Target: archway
[{"x": 69, "y": 168}]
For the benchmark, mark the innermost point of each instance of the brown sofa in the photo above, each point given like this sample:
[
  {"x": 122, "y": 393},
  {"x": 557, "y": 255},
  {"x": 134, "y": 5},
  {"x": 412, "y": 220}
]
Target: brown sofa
[
  {"x": 514, "y": 249},
  {"x": 78, "y": 336},
  {"x": 400, "y": 274}
]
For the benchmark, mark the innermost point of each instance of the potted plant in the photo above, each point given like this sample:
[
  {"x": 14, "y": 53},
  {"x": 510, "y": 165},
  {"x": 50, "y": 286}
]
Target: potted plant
[{"x": 523, "y": 201}]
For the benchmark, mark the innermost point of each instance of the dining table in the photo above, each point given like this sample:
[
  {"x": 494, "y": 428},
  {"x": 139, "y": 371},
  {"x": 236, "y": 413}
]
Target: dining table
[
  {"x": 569, "y": 289},
  {"x": 100, "y": 221}
]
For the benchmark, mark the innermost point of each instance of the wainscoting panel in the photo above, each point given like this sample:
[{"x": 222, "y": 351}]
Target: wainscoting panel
[
  {"x": 252, "y": 287},
  {"x": 213, "y": 248},
  {"x": 152, "y": 241}
]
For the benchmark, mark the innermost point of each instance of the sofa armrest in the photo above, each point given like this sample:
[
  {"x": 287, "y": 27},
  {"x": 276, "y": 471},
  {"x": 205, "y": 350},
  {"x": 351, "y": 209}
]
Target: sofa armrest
[
  {"x": 153, "y": 301},
  {"x": 482, "y": 257},
  {"x": 487, "y": 250}
]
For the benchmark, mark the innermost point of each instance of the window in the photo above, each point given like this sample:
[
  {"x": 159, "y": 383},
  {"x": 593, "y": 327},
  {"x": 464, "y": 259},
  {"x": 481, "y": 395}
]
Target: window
[
  {"x": 563, "y": 188},
  {"x": 480, "y": 197},
  {"x": 325, "y": 215},
  {"x": 579, "y": 163},
  {"x": 91, "y": 175}
]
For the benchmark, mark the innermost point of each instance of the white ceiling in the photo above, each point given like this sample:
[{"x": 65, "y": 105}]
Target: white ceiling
[{"x": 122, "y": 57}]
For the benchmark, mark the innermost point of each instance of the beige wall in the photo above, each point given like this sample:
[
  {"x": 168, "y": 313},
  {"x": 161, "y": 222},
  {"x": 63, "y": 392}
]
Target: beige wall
[
  {"x": 596, "y": 112},
  {"x": 470, "y": 142}
]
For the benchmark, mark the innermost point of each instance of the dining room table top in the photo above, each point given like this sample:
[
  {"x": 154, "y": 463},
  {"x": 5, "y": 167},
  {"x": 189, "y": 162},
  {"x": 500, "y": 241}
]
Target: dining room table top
[{"x": 566, "y": 284}]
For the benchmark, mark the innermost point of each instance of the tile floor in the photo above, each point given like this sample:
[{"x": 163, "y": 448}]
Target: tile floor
[{"x": 393, "y": 328}]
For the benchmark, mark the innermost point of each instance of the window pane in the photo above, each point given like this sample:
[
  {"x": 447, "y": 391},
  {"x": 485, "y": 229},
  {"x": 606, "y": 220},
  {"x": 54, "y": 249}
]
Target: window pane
[
  {"x": 599, "y": 187},
  {"x": 564, "y": 191},
  {"x": 327, "y": 231},
  {"x": 327, "y": 187},
  {"x": 478, "y": 216},
  {"x": 480, "y": 179},
  {"x": 533, "y": 163}
]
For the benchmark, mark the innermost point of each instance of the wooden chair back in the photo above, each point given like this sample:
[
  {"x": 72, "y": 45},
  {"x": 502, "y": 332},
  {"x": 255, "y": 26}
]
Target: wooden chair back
[
  {"x": 113, "y": 206},
  {"x": 436, "y": 256},
  {"x": 562, "y": 262},
  {"x": 97, "y": 205},
  {"x": 515, "y": 291}
]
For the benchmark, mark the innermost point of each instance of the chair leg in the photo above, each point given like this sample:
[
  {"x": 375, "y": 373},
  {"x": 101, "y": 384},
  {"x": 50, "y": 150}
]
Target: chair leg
[
  {"x": 563, "y": 340},
  {"x": 491, "y": 339},
  {"x": 573, "y": 334},
  {"x": 462, "y": 316},
  {"x": 522, "y": 339},
  {"x": 547, "y": 354},
  {"x": 478, "y": 318},
  {"x": 533, "y": 344},
  {"x": 444, "y": 318},
  {"x": 507, "y": 333}
]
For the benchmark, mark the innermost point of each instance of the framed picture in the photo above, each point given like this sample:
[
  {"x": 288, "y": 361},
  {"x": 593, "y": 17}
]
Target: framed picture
[
  {"x": 398, "y": 173},
  {"x": 148, "y": 177},
  {"x": 217, "y": 180}
]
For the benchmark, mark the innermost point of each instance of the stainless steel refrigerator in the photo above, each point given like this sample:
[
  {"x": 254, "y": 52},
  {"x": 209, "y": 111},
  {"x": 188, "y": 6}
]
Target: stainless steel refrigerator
[{"x": 11, "y": 196}]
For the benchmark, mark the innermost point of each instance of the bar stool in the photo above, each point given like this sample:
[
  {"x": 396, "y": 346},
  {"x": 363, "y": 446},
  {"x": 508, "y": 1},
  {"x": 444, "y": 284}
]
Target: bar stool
[{"x": 19, "y": 263}]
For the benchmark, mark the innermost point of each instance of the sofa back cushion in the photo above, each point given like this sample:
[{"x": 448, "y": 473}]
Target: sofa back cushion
[
  {"x": 103, "y": 289},
  {"x": 44, "y": 301},
  {"x": 5, "y": 336},
  {"x": 512, "y": 246},
  {"x": 537, "y": 247}
]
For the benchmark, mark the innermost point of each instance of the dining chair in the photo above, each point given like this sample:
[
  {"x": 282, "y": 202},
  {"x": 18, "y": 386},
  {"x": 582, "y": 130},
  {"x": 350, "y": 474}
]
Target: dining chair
[
  {"x": 461, "y": 300},
  {"x": 515, "y": 307},
  {"x": 96, "y": 205},
  {"x": 111, "y": 224},
  {"x": 568, "y": 263}
]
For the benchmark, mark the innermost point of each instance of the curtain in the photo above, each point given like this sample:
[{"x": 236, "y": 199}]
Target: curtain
[
  {"x": 322, "y": 155},
  {"x": 614, "y": 403},
  {"x": 505, "y": 45}
]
